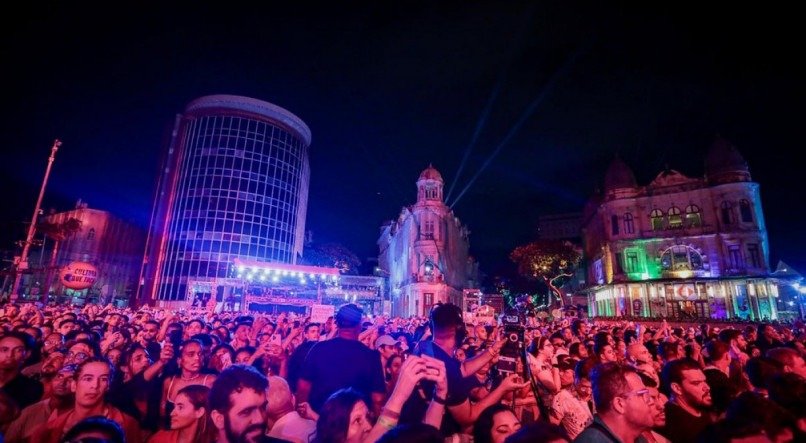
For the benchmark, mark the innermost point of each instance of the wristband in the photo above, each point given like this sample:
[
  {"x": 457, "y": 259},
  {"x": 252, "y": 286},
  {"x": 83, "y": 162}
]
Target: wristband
[
  {"x": 390, "y": 413},
  {"x": 386, "y": 422}
]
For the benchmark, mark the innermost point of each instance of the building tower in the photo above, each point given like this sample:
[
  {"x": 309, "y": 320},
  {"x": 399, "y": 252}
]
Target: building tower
[
  {"x": 425, "y": 252},
  {"x": 234, "y": 185}
]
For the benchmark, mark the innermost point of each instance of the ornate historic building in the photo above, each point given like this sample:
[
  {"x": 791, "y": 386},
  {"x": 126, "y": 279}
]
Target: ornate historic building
[
  {"x": 425, "y": 252},
  {"x": 680, "y": 247}
]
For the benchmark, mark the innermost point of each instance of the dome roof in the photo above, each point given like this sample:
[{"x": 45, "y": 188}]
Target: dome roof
[
  {"x": 723, "y": 158},
  {"x": 430, "y": 173},
  {"x": 619, "y": 176}
]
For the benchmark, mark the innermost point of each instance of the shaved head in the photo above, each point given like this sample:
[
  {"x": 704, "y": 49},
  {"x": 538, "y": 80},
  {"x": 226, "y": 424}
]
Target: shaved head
[{"x": 279, "y": 397}]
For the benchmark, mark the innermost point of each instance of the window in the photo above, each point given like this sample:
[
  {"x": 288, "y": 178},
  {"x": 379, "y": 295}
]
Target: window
[
  {"x": 428, "y": 228},
  {"x": 631, "y": 262},
  {"x": 675, "y": 219},
  {"x": 91, "y": 234},
  {"x": 735, "y": 257},
  {"x": 431, "y": 192},
  {"x": 753, "y": 255},
  {"x": 693, "y": 216},
  {"x": 614, "y": 224},
  {"x": 629, "y": 226},
  {"x": 657, "y": 219},
  {"x": 681, "y": 258},
  {"x": 428, "y": 302},
  {"x": 745, "y": 211},
  {"x": 619, "y": 268},
  {"x": 726, "y": 211}
]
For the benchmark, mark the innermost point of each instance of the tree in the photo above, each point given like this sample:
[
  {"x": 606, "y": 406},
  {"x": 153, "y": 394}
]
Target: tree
[
  {"x": 332, "y": 255},
  {"x": 58, "y": 232},
  {"x": 548, "y": 261}
]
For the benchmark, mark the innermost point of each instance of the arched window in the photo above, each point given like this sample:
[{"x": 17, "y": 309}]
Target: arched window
[
  {"x": 726, "y": 211},
  {"x": 746, "y": 211},
  {"x": 427, "y": 227},
  {"x": 693, "y": 216},
  {"x": 675, "y": 219},
  {"x": 629, "y": 226},
  {"x": 656, "y": 217},
  {"x": 91, "y": 234},
  {"x": 681, "y": 258},
  {"x": 614, "y": 224}
]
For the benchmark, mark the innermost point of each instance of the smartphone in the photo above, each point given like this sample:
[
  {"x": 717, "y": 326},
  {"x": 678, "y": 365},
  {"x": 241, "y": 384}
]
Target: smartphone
[{"x": 276, "y": 340}]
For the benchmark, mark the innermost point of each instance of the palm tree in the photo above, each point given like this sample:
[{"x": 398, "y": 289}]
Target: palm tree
[{"x": 58, "y": 232}]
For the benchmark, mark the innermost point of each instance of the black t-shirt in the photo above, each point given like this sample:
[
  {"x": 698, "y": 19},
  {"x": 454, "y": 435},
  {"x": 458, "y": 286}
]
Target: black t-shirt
[
  {"x": 24, "y": 390},
  {"x": 682, "y": 427},
  {"x": 125, "y": 396},
  {"x": 295, "y": 362},
  {"x": 340, "y": 363},
  {"x": 458, "y": 390}
]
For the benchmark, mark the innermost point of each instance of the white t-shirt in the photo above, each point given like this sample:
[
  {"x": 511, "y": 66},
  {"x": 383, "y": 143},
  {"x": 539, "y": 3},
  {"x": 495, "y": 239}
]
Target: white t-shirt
[{"x": 574, "y": 413}]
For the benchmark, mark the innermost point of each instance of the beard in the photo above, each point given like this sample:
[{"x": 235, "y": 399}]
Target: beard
[{"x": 234, "y": 437}]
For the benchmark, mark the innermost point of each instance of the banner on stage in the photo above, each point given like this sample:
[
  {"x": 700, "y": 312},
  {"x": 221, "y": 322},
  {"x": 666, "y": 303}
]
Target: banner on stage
[{"x": 320, "y": 313}]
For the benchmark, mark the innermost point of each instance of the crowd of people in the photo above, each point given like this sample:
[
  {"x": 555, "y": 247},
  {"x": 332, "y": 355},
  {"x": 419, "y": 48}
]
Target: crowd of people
[{"x": 93, "y": 374}]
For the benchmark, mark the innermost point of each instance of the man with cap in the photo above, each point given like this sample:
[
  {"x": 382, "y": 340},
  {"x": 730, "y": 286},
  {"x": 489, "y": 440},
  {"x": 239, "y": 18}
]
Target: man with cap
[
  {"x": 342, "y": 362},
  {"x": 387, "y": 346},
  {"x": 59, "y": 402}
]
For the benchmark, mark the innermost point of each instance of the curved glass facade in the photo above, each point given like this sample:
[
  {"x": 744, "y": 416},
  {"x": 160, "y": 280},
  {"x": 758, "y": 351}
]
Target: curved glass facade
[{"x": 239, "y": 190}]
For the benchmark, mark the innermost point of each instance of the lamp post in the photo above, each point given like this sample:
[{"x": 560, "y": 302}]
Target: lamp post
[{"x": 22, "y": 264}]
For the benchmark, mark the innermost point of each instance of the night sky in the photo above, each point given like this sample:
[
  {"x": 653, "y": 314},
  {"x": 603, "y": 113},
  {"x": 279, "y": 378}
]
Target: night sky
[{"x": 389, "y": 87}]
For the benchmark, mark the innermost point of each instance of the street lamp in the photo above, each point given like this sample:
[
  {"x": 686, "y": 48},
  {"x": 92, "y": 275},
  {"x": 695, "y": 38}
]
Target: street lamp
[{"x": 22, "y": 264}]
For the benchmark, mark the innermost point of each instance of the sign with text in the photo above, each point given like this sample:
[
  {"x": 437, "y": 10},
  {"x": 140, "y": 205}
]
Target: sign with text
[
  {"x": 78, "y": 275},
  {"x": 320, "y": 313}
]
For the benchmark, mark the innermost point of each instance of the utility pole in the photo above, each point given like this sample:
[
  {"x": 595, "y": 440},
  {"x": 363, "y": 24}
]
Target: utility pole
[{"x": 22, "y": 264}]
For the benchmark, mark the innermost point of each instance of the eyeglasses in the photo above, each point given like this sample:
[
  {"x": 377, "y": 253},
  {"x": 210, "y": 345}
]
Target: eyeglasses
[
  {"x": 644, "y": 393},
  {"x": 77, "y": 355}
]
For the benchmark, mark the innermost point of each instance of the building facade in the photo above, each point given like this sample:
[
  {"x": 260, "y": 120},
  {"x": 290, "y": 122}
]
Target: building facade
[
  {"x": 559, "y": 226},
  {"x": 425, "y": 252},
  {"x": 680, "y": 247},
  {"x": 112, "y": 246},
  {"x": 234, "y": 185}
]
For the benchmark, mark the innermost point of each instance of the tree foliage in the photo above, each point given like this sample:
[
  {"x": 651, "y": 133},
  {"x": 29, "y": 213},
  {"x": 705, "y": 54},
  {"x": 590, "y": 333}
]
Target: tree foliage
[
  {"x": 59, "y": 231},
  {"x": 332, "y": 255},
  {"x": 547, "y": 260}
]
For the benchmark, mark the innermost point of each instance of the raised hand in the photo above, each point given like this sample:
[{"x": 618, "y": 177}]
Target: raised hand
[
  {"x": 513, "y": 382},
  {"x": 167, "y": 353}
]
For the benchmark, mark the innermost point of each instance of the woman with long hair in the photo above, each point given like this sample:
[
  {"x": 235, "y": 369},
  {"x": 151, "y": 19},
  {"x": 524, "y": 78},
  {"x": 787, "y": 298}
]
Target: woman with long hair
[
  {"x": 190, "y": 418},
  {"x": 495, "y": 424},
  {"x": 543, "y": 367},
  {"x": 190, "y": 366},
  {"x": 344, "y": 418},
  {"x": 392, "y": 371}
]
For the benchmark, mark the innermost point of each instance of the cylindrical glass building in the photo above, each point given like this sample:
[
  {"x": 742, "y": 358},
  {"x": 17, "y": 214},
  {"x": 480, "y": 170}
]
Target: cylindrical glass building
[{"x": 235, "y": 185}]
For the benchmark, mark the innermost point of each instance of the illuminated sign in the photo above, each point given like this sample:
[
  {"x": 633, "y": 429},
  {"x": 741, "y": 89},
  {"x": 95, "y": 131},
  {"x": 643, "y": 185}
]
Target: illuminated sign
[{"x": 78, "y": 275}]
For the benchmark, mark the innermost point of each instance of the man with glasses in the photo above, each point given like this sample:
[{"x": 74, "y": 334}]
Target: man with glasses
[
  {"x": 15, "y": 347},
  {"x": 80, "y": 350},
  {"x": 689, "y": 400},
  {"x": 625, "y": 408},
  {"x": 59, "y": 402}
]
